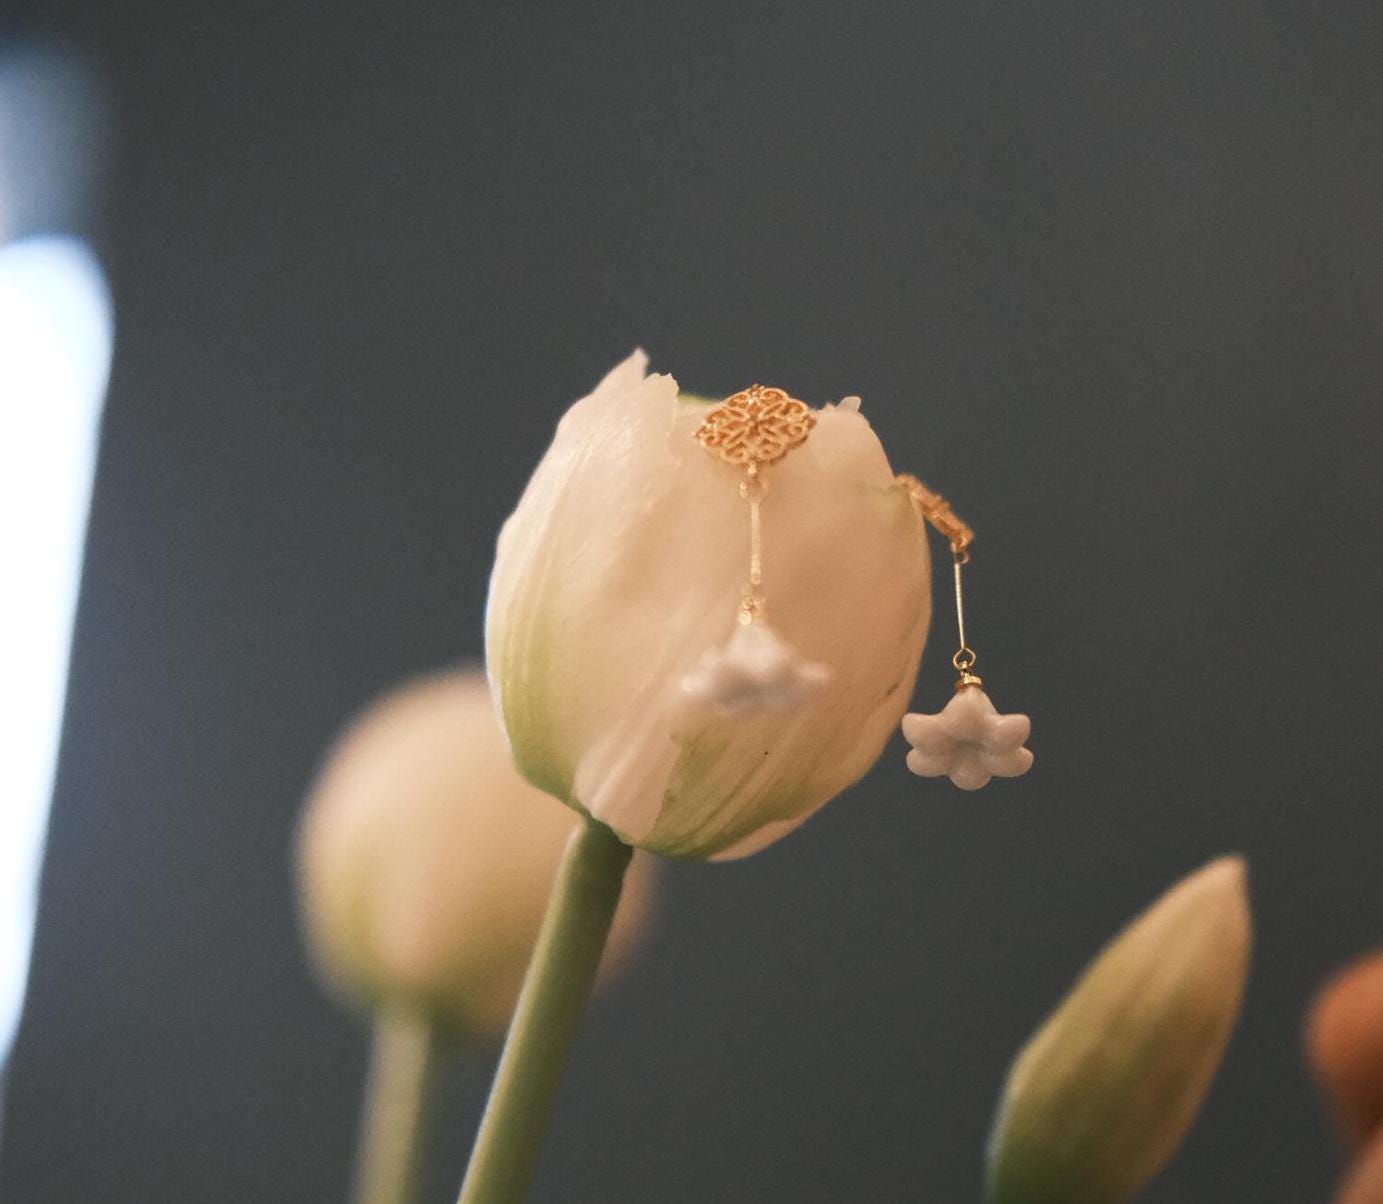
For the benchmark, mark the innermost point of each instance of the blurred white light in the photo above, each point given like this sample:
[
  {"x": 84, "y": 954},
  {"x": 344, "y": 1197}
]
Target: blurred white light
[{"x": 55, "y": 348}]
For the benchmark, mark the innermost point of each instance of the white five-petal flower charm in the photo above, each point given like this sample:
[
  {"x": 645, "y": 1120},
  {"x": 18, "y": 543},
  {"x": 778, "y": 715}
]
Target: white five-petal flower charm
[
  {"x": 754, "y": 671},
  {"x": 969, "y": 741}
]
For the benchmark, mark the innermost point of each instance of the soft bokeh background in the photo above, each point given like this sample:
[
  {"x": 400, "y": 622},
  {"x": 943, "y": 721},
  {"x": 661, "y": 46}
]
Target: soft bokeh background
[{"x": 1110, "y": 274}]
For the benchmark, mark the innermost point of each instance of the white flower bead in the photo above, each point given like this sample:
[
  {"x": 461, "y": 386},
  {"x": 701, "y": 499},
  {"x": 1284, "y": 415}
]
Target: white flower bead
[
  {"x": 754, "y": 671},
  {"x": 969, "y": 741}
]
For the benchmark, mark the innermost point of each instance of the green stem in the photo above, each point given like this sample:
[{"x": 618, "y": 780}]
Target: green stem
[
  {"x": 393, "y": 1128},
  {"x": 546, "y": 1018}
]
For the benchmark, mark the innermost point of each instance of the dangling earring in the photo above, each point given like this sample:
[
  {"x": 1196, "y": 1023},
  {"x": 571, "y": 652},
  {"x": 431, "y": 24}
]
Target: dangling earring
[
  {"x": 968, "y": 741},
  {"x": 755, "y": 670}
]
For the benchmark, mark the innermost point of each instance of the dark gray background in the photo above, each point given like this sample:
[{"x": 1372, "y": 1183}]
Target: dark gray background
[{"x": 1109, "y": 273}]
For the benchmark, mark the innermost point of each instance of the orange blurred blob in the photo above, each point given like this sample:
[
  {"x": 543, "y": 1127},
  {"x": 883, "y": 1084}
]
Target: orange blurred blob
[
  {"x": 1364, "y": 1183},
  {"x": 1344, "y": 1039}
]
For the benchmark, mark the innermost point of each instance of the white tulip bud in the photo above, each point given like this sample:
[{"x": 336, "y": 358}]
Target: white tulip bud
[
  {"x": 426, "y": 860},
  {"x": 1101, "y": 1096},
  {"x": 623, "y": 566}
]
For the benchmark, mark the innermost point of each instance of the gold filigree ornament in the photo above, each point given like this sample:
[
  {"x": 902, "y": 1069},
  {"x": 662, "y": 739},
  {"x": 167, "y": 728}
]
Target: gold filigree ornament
[
  {"x": 755, "y": 427},
  {"x": 755, "y": 670}
]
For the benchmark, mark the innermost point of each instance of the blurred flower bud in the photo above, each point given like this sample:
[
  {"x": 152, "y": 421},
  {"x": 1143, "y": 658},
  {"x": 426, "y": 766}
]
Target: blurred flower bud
[
  {"x": 1344, "y": 1037},
  {"x": 623, "y": 565},
  {"x": 425, "y": 860},
  {"x": 1101, "y": 1096}
]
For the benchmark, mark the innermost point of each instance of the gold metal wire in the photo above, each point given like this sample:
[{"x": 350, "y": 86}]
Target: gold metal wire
[
  {"x": 753, "y": 488},
  {"x": 754, "y": 427},
  {"x": 964, "y": 658}
]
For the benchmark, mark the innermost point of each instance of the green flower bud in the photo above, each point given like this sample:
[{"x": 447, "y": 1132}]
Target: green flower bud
[{"x": 1101, "y": 1096}]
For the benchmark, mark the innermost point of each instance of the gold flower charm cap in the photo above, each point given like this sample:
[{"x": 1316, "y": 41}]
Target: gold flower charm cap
[{"x": 755, "y": 426}]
